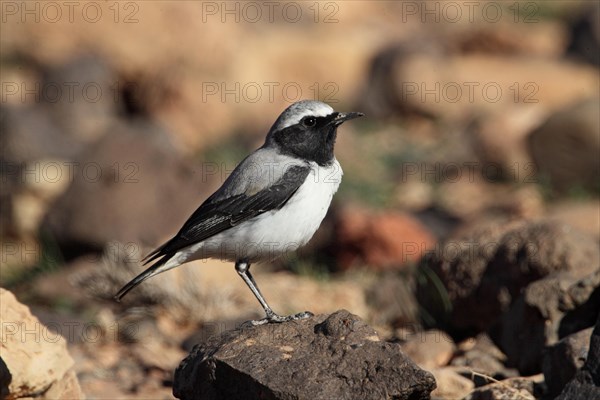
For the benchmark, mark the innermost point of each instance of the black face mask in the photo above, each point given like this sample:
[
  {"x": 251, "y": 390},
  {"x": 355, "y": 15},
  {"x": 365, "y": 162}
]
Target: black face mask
[{"x": 313, "y": 139}]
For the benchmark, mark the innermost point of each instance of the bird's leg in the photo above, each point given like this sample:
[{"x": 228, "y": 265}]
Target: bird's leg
[{"x": 243, "y": 269}]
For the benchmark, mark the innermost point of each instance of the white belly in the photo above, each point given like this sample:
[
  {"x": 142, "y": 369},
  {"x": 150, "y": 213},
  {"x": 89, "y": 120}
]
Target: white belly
[{"x": 277, "y": 232}]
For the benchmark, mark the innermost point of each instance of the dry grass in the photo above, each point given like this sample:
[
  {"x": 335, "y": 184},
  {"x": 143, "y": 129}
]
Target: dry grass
[
  {"x": 518, "y": 393},
  {"x": 178, "y": 292}
]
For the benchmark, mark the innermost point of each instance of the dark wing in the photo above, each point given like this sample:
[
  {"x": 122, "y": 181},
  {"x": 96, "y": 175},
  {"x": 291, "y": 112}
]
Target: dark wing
[
  {"x": 216, "y": 215},
  {"x": 219, "y": 213}
]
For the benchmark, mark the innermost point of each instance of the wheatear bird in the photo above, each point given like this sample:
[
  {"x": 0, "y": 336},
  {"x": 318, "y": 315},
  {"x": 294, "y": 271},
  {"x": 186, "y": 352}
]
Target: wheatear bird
[{"x": 271, "y": 204}]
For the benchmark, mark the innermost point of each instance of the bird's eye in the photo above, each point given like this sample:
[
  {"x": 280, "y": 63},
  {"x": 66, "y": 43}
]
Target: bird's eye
[{"x": 309, "y": 121}]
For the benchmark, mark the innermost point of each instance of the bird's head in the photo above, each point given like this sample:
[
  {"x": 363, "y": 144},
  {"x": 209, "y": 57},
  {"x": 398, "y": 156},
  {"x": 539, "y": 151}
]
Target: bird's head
[{"x": 307, "y": 129}]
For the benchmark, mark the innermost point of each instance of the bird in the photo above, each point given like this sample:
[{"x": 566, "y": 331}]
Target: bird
[{"x": 271, "y": 204}]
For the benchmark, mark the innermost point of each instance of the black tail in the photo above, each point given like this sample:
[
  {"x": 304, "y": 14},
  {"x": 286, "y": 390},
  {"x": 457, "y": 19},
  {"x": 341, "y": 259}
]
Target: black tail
[{"x": 150, "y": 272}]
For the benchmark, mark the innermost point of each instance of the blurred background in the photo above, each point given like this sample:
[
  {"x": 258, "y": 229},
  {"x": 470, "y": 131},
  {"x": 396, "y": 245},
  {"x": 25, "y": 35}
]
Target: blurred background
[{"x": 479, "y": 153}]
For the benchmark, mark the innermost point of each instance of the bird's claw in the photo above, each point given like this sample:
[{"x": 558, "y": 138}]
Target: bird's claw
[{"x": 275, "y": 318}]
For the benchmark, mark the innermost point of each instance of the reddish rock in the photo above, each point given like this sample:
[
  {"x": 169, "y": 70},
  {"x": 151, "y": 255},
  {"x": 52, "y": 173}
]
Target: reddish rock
[{"x": 379, "y": 240}]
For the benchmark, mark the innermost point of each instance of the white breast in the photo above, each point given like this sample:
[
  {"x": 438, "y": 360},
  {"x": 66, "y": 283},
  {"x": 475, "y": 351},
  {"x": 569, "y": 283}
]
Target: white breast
[{"x": 277, "y": 232}]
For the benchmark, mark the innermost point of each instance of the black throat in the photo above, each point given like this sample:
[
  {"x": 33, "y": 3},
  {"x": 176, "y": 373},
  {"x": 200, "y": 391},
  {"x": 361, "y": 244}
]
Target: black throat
[{"x": 314, "y": 143}]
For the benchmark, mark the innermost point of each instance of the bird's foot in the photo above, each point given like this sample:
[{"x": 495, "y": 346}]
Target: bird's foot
[{"x": 275, "y": 318}]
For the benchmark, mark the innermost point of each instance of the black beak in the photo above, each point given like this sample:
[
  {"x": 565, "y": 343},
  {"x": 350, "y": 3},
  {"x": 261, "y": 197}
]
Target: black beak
[{"x": 340, "y": 118}]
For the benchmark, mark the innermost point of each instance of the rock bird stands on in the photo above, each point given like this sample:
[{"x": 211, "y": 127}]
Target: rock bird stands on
[{"x": 271, "y": 204}]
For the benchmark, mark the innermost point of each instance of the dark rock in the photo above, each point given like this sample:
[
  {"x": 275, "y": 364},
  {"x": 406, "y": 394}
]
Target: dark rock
[
  {"x": 7, "y": 189},
  {"x": 566, "y": 147},
  {"x": 449, "y": 280},
  {"x": 585, "y": 34},
  {"x": 534, "y": 321},
  {"x": 562, "y": 360},
  {"x": 580, "y": 388},
  {"x": 324, "y": 357},
  {"x": 440, "y": 222},
  {"x": 586, "y": 383},
  {"x": 476, "y": 276},
  {"x": 581, "y": 303},
  {"x": 5, "y": 379},
  {"x": 131, "y": 186}
]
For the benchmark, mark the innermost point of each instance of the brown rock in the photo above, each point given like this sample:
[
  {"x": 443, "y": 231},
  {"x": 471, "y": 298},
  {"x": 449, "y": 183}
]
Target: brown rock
[
  {"x": 455, "y": 196},
  {"x": 566, "y": 147},
  {"x": 450, "y": 384},
  {"x": 392, "y": 301},
  {"x": 499, "y": 199},
  {"x": 324, "y": 357},
  {"x": 583, "y": 215},
  {"x": 64, "y": 119},
  {"x": 127, "y": 377},
  {"x": 543, "y": 38},
  {"x": 156, "y": 354},
  {"x": 41, "y": 138},
  {"x": 474, "y": 83},
  {"x": 478, "y": 357},
  {"x": 499, "y": 141},
  {"x": 35, "y": 357},
  {"x": 429, "y": 349},
  {"x": 379, "y": 240},
  {"x": 391, "y": 72},
  {"x": 484, "y": 270},
  {"x": 198, "y": 83},
  {"x": 66, "y": 388},
  {"x": 131, "y": 186}
]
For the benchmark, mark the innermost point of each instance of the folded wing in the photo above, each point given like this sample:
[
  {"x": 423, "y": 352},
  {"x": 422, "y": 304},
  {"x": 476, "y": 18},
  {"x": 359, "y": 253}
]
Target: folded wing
[{"x": 218, "y": 213}]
